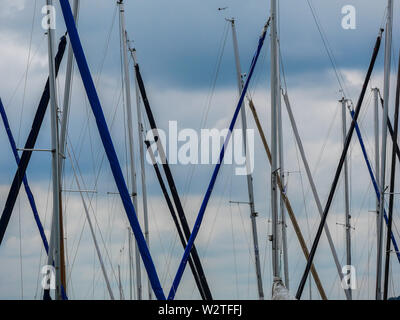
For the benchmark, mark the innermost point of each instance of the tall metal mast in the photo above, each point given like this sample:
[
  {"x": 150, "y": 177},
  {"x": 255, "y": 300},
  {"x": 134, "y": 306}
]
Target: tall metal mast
[
  {"x": 386, "y": 86},
  {"x": 282, "y": 178},
  {"x": 130, "y": 263},
  {"x": 63, "y": 134},
  {"x": 392, "y": 187},
  {"x": 275, "y": 96},
  {"x": 67, "y": 91},
  {"x": 346, "y": 193},
  {"x": 253, "y": 213},
  {"x": 377, "y": 166},
  {"x": 55, "y": 233},
  {"x": 289, "y": 208},
  {"x": 130, "y": 136},
  {"x": 141, "y": 137}
]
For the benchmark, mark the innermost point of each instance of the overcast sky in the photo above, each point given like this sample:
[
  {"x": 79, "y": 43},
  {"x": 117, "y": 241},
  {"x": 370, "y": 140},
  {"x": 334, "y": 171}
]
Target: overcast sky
[{"x": 178, "y": 44}]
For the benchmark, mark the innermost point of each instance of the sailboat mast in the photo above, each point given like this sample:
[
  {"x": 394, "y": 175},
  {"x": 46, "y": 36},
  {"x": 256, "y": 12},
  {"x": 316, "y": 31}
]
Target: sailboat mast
[
  {"x": 392, "y": 187},
  {"x": 275, "y": 96},
  {"x": 130, "y": 263},
  {"x": 130, "y": 137},
  {"x": 56, "y": 243},
  {"x": 63, "y": 140},
  {"x": 141, "y": 137},
  {"x": 253, "y": 213},
  {"x": 67, "y": 91},
  {"x": 386, "y": 86},
  {"x": 346, "y": 193},
  {"x": 376, "y": 136},
  {"x": 289, "y": 208},
  {"x": 281, "y": 202},
  {"x": 281, "y": 164}
]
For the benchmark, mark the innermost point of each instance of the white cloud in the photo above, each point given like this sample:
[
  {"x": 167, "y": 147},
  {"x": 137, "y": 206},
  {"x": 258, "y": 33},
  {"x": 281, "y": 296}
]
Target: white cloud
[{"x": 11, "y": 7}]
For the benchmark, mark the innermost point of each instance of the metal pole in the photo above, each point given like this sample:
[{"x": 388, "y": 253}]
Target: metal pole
[
  {"x": 63, "y": 134},
  {"x": 253, "y": 213},
  {"x": 346, "y": 194},
  {"x": 141, "y": 136},
  {"x": 130, "y": 138},
  {"x": 392, "y": 187},
  {"x": 121, "y": 292},
  {"x": 289, "y": 209},
  {"x": 313, "y": 186},
  {"x": 67, "y": 91},
  {"x": 377, "y": 166},
  {"x": 275, "y": 96},
  {"x": 55, "y": 237},
  {"x": 386, "y": 86},
  {"x": 130, "y": 263},
  {"x": 281, "y": 203}
]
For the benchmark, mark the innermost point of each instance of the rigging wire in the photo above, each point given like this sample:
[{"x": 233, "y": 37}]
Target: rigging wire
[
  {"x": 97, "y": 175},
  {"x": 84, "y": 128},
  {"x": 210, "y": 96},
  {"x": 328, "y": 49},
  {"x": 124, "y": 104},
  {"x": 73, "y": 158},
  {"x": 228, "y": 180},
  {"x": 18, "y": 141}
]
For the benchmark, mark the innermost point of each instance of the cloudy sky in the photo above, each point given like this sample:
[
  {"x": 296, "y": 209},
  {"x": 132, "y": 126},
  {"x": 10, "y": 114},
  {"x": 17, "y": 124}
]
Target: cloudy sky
[{"x": 179, "y": 45}]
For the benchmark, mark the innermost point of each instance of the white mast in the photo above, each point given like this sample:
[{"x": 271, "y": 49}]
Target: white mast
[
  {"x": 253, "y": 213},
  {"x": 346, "y": 192},
  {"x": 377, "y": 166},
  {"x": 275, "y": 97},
  {"x": 386, "y": 86},
  {"x": 130, "y": 139},
  {"x": 55, "y": 233},
  {"x": 66, "y": 105},
  {"x": 141, "y": 135},
  {"x": 130, "y": 263},
  {"x": 67, "y": 91},
  {"x": 282, "y": 177}
]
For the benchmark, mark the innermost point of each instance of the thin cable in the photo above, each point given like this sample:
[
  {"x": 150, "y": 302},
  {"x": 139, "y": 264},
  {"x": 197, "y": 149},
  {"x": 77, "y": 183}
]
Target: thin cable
[
  {"x": 328, "y": 49},
  {"x": 210, "y": 96}
]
